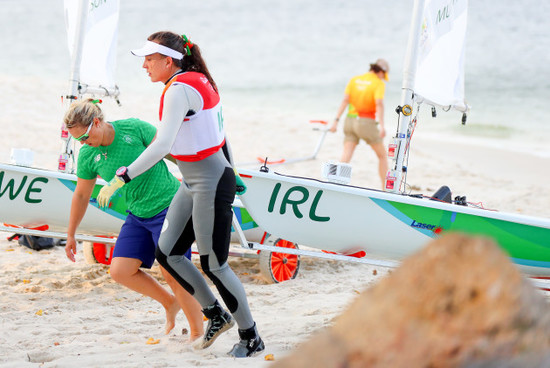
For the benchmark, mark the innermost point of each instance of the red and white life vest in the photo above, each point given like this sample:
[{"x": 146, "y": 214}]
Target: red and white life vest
[{"x": 201, "y": 134}]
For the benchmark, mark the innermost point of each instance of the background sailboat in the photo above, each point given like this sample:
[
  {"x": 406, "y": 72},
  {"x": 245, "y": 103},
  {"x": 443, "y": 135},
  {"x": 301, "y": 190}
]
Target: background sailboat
[
  {"x": 433, "y": 75},
  {"x": 347, "y": 219},
  {"x": 36, "y": 198},
  {"x": 92, "y": 34},
  {"x": 36, "y": 201}
]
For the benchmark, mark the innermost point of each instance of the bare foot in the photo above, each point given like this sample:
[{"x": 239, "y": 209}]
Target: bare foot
[
  {"x": 194, "y": 336},
  {"x": 171, "y": 314}
]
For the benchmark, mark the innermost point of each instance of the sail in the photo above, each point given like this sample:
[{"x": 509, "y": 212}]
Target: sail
[
  {"x": 439, "y": 76},
  {"x": 92, "y": 37}
]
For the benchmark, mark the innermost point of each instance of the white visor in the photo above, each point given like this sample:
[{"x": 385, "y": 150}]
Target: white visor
[{"x": 152, "y": 48}]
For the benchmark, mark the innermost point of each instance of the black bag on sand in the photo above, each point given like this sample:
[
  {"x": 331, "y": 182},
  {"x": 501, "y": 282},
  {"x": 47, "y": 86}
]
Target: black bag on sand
[{"x": 37, "y": 242}]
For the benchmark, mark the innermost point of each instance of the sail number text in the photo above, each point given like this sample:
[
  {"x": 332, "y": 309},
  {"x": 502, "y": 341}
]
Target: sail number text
[
  {"x": 13, "y": 189},
  {"x": 295, "y": 199}
]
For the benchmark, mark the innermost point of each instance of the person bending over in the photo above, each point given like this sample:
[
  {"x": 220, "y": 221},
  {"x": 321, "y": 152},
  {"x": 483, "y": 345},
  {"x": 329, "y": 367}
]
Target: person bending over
[{"x": 106, "y": 147}]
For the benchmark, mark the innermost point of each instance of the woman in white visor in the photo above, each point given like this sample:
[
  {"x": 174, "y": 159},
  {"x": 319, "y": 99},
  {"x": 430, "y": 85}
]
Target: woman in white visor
[{"x": 192, "y": 132}]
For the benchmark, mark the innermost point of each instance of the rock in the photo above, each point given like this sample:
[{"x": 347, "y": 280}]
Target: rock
[{"x": 459, "y": 302}]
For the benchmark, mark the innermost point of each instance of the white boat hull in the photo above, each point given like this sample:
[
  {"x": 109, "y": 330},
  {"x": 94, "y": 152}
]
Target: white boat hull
[
  {"x": 33, "y": 198},
  {"x": 346, "y": 219},
  {"x": 37, "y": 198}
]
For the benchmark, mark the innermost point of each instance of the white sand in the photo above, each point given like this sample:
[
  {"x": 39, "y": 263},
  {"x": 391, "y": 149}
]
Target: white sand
[{"x": 89, "y": 321}]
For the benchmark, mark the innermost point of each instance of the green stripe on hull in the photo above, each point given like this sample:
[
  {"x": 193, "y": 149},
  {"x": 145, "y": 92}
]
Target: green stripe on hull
[
  {"x": 118, "y": 205},
  {"x": 520, "y": 241},
  {"x": 245, "y": 220}
]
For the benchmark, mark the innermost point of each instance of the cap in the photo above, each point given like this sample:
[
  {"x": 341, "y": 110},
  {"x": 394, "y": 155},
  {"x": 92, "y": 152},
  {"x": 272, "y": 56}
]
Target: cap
[
  {"x": 152, "y": 48},
  {"x": 383, "y": 64}
]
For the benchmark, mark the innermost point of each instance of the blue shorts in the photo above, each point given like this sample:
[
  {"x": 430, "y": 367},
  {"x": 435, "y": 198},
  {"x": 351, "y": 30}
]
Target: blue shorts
[{"x": 139, "y": 238}]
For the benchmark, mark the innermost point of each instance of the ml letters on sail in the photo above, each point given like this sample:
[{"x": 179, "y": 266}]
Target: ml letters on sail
[{"x": 440, "y": 65}]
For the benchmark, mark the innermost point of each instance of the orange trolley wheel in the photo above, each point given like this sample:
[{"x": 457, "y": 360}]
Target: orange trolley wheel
[
  {"x": 278, "y": 267},
  {"x": 88, "y": 252},
  {"x": 97, "y": 252}
]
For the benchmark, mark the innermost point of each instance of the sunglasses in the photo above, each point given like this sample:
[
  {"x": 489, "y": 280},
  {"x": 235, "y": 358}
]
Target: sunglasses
[{"x": 86, "y": 135}]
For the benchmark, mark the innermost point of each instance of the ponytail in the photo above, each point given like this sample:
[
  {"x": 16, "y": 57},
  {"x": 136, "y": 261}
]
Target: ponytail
[{"x": 192, "y": 60}]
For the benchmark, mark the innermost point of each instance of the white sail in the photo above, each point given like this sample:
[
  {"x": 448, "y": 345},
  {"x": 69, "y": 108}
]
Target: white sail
[
  {"x": 433, "y": 73},
  {"x": 93, "y": 51},
  {"x": 440, "y": 65}
]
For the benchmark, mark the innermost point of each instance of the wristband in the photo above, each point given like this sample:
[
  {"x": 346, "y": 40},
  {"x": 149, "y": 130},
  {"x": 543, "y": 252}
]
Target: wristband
[{"x": 122, "y": 173}]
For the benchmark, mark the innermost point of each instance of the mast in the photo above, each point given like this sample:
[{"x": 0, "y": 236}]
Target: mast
[
  {"x": 92, "y": 34},
  {"x": 77, "y": 48},
  {"x": 397, "y": 147},
  {"x": 66, "y": 157}
]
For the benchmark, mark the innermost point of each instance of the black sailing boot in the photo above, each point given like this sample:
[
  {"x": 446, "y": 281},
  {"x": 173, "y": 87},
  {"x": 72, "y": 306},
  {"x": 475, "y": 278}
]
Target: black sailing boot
[
  {"x": 219, "y": 321},
  {"x": 250, "y": 344}
]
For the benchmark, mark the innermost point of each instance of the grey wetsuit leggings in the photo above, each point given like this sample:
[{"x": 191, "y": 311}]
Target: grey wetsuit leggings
[{"x": 202, "y": 210}]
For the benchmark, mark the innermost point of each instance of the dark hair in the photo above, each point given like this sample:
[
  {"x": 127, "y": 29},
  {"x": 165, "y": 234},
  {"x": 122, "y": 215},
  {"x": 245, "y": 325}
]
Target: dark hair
[
  {"x": 375, "y": 68},
  {"x": 191, "y": 63}
]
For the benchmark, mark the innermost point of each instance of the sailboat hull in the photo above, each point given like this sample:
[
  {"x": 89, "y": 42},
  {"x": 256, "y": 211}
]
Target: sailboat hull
[
  {"x": 346, "y": 219},
  {"x": 33, "y": 198},
  {"x": 38, "y": 198}
]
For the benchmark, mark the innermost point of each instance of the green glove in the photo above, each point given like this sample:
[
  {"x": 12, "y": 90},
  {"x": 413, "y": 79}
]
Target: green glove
[
  {"x": 105, "y": 194},
  {"x": 241, "y": 188}
]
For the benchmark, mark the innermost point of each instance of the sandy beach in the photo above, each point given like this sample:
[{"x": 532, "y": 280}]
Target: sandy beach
[
  {"x": 278, "y": 65},
  {"x": 54, "y": 313}
]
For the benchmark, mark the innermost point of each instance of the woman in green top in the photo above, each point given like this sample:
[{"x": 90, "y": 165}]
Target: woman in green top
[{"x": 106, "y": 147}]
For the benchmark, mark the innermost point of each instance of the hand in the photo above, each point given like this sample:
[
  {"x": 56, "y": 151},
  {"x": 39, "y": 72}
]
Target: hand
[
  {"x": 105, "y": 194},
  {"x": 241, "y": 187},
  {"x": 332, "y": 129},
  {"x": 70, "y": 248}
]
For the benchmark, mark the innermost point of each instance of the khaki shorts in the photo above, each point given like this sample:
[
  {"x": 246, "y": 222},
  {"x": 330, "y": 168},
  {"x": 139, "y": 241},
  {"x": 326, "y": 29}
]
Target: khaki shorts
[{"x": 361, "y": 128}]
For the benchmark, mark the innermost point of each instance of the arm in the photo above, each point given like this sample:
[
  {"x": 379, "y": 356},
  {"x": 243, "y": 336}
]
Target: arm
[
  {"x": 343, "y": 105},
  {"x": 176, "y": 106},
  {"x": 380, "y": 116},
  {"x": 168, "y": 157},
  {"x": 79, "y": 203}
]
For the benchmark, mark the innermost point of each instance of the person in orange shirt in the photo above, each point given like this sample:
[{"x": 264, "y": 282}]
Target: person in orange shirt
[{"x": 364, "y": 95}]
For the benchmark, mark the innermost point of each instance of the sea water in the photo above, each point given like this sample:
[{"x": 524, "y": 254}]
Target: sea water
[{"x": 290, "y": 60}]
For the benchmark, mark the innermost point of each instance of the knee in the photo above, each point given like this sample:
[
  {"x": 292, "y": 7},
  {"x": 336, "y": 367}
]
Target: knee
[
  {"x": 205, "y": 264},
  {"x": 208, "y": 269},
  {"x": 161, "y": 257},
  {"x": 118, "y": 273}
]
